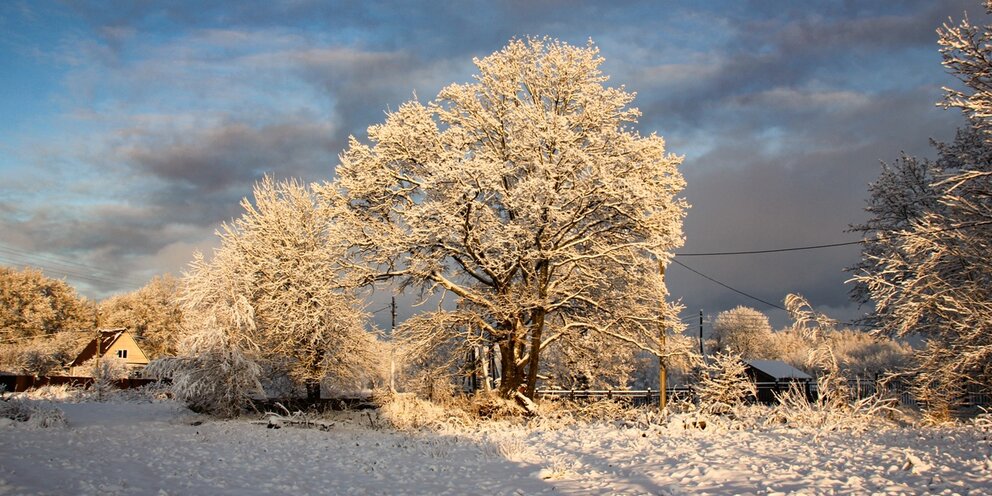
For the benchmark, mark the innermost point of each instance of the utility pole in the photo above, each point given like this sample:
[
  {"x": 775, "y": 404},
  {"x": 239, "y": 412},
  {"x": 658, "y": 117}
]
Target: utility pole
[
  {"x": 662, "y": 366},
  {"x": 702, "y": 354},
  {"x": 392, "y": 348}
]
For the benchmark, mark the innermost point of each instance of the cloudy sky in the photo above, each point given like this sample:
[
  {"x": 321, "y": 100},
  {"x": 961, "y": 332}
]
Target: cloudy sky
[{"x": 130, "y": 130}]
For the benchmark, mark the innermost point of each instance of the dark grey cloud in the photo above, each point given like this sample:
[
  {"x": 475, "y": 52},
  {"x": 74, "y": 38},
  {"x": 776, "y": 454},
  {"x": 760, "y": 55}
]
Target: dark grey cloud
[
  {"x": 861, "y": 47},
  {"x": 215, "y": 158},
  {"x": 804, "y": 189}
]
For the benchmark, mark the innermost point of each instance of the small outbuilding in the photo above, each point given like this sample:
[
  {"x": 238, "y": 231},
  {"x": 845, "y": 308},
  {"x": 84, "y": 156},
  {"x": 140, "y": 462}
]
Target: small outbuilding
[
  {"x": 110, "y": 344},
  {"x": 771, "y": 376}
]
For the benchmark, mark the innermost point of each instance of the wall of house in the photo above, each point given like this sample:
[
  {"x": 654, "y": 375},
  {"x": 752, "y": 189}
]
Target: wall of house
[{"x": 135, "y": 358}]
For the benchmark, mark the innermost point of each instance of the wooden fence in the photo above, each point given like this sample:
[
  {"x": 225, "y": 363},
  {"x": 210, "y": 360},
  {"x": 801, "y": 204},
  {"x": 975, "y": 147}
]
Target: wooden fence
[{"x": 21, "y": 383}]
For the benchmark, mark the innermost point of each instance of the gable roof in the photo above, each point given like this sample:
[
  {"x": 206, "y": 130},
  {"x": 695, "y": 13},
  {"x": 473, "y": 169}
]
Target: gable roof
[
  {"x": 778, "y": 369},
  {"x": 107, "y": 339}
]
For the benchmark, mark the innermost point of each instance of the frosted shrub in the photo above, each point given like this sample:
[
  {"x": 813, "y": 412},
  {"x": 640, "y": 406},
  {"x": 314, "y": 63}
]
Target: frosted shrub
[
  {"x": 833, "y": 407},
  {"x": 48, "y": 417},
  {"x": 558, "y": 467},
  {"x": 406, "y": 412},
  {"x": 493, "y": 407},
  {"x": 507, "y": 447},
  {"x": 606, "y": 411},
  {"x": 33, "y": 414},
  {"x": 105, "y": 373},
  {"x": 15, "y": 409},
  {"x": 61, "y": 392},
  {"x": 724, "y": 384},
  {"x": 983, "y": 421},
  {"x": 214, "y": 376}
]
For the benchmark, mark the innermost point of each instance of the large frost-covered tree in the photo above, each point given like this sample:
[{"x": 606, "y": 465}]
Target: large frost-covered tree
[
  {"x": 902, "y": 194},
  {"x": 274, "y": 292},
  {"x": 965, "y": 48},
  {"x": 527, "y": 196},
  {"x": 934, "y": 276},
  {"x": 938, "y": 284}
]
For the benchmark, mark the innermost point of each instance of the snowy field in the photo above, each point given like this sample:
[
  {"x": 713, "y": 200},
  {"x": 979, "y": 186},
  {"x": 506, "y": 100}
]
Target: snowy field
[{"x": 162, "y": 448}]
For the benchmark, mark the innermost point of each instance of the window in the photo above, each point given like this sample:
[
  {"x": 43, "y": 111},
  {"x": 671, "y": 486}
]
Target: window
[{"x": 121, "y": 353}]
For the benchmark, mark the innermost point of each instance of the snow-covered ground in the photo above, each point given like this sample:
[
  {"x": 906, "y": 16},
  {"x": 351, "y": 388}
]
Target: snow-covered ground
[{"x": 155, "y": 448}]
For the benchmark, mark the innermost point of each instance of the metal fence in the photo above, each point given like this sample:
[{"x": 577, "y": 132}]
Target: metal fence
[
  {"x": 635, "y": 397},
  {"x": 860, "y": 389},
  {"x": 972, "y": 396}
]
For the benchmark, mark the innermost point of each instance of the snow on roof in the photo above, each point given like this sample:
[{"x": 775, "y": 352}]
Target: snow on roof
[{"x": 778, "y": 369}]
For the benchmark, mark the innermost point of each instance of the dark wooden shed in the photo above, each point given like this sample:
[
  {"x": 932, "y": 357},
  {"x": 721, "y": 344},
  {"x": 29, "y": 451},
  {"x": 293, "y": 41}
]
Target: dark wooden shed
[{"x": 771, "y": 376}]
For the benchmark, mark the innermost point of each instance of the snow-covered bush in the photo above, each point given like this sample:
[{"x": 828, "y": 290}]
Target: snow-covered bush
[
  {"x": 864, "y": 355},
  {"x": 106, "y": 372},
  {"x": 406, "y": 412},
  {"x": 16, "y": 409},
  {"x": 213, "y": 375},
  {"x": 983, "y": 421},
  {"x": 859, "y": 354},
  {"x": 61, "y": 392},
  {"x": 557, "y": 413},
  {"x": 590, "y": 362},
  {"x": 32, "y": 413},
  {"x": 724, "y": 384},
  {"x": 506, "y": 446},
  {"x": 491, "y": 406},
  {"x": 834, "y": 406},
  {"x": 44, "y": 355}
]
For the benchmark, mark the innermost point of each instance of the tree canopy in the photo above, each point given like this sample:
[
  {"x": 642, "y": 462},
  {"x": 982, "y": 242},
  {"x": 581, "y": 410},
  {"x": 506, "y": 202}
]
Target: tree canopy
[
  {"x": 528, "y": 198},
  {"x": 32, "y": 305},
  {"x": 273, "y": 293}
]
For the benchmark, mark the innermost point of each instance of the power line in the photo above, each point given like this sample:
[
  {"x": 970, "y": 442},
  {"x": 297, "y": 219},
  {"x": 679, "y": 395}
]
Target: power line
[
  {"x": 63, "y": 267},
  {"x": 828, "y": 245},
  {"x": 91, "y": 278},
  {"x": 728, "y": 286},
  {"x": 854, "y": 324},
  {"x": 51, "y": 258}
]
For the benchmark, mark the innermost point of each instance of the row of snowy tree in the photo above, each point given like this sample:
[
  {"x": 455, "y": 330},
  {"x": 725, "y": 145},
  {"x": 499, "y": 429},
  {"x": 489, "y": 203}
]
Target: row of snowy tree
[
  {"x": 747, "y": 333},
  {"x": 44, "y": 322}
]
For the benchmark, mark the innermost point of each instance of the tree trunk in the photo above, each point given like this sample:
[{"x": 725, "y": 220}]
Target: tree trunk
[
  {"x": 484, "y": 359},
  {"x": 535, "y": 352},
  {"x": 511, "y": 378}
]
